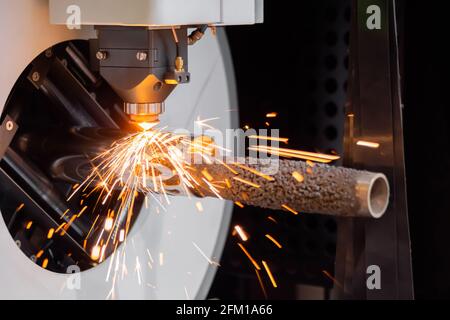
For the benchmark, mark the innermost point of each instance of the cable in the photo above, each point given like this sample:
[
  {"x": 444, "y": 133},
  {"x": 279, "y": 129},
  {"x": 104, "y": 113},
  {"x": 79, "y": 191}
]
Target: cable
[
  {"x": 197, "y": 34},
  {"x": 175, "y": 38}
]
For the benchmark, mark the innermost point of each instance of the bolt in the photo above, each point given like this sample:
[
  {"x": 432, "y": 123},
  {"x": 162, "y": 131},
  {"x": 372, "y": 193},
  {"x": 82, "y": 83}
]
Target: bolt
[
  {"x": 9, "y": 125},
  {"x": 35, "y": 76},
  {"x": 141, "y": 56},
  {"x": 101, "y": 55},
  {"x": 48, "y": 53},
  {"x": 157, "y": 86}
]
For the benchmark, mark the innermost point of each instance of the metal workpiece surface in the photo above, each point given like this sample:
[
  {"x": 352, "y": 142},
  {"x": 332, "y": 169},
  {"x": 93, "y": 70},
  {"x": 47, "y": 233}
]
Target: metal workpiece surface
[{"x": 303, "y": 187}]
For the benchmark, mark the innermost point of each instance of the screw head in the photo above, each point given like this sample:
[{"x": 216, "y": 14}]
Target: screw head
[
  {"x": 9, "y": 126},
  {"x": 35, "y": 76},
  {"x": 141, "y": 56},
  {"x": 48, "y": 53},
  {"x": 101, "y": 55}
]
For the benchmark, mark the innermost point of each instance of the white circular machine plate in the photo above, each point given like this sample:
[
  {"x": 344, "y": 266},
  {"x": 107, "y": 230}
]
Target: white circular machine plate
[{"x": 167, "y": 253}]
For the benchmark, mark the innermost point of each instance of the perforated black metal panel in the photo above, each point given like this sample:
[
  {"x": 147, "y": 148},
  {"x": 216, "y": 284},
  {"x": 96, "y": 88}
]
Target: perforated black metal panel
[{"x": 295, "y": 64}]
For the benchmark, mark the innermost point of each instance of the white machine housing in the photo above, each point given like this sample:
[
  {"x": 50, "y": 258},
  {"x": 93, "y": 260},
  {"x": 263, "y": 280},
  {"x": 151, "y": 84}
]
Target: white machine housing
[{"x": 158, "y": 12}]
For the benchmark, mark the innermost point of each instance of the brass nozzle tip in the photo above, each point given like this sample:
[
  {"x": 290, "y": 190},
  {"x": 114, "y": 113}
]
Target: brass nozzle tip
[
  {"x": 151, "y": 118},
  {"x": 144, "y": 112}
]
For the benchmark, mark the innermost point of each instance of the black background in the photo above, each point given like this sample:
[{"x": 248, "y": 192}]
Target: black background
[{"x": 427, "y": 141}]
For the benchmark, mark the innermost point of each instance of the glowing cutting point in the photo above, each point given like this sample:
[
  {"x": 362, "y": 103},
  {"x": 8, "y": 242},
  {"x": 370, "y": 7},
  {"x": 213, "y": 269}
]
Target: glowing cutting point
[{"x": 147, "y": 125}]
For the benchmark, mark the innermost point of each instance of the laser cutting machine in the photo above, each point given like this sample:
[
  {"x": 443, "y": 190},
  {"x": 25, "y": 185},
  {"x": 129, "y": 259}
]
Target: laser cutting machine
[
  {"x": 77, "y": 73},
  {"x": 109, "y": 64}
]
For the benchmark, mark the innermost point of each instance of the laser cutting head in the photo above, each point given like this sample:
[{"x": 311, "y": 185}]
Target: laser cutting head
[
  {"x": 141, "y": 49},
  {"x": 142, "y": 65}
]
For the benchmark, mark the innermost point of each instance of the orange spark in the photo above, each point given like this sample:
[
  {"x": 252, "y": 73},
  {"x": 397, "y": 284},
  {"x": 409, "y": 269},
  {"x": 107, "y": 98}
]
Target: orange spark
[
  {"x": 297, "y": 176},
  {"x": 82, "y": 211},
  {"x": 72, "y": 219},
  {"x": 207, "y": 175},
  {"x": 272, "y": 115},
  {"x": 253, "y": 261},
  {"x": 239, "y": 204},
  {"x": 95, "y": 253},
  {"x": 50, "y": 233},
  {"x": 60, "y": 227},
  {"x": 269, "y": 273},
  {"x": 268, "y": 236},
  {"x": 317, "y": 157},
  {"x": 368, "y": 144},
  {"x": 64, "y": 214},
  {"x": 310, "y": 164},
  {"x": 328, "y": 275},
  {"x": 256, "y": 172},
  {"x": 92, "y": 226},
  {"x": 121, "y": 235},
  {"x": 203, "y": 144},
  {"x": 20, "y": 207},
  {"x": 285, "y": 206},
  {"x": 241, "y": 233},
  {"x": 228, "y": 167},
  {"x": 272, "y": 219},
  {"x": 39, "y": 254},
  {"x": 261, "y": 283},
  {"x": 284, "y": 140},
  {"x": 247, "y": 182},
  {"x": 109, "y": 222}
]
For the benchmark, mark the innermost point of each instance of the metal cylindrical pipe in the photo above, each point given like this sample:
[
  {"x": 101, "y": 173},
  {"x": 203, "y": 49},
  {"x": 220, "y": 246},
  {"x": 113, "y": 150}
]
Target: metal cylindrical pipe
[
  {"x": 297, "y": 185},
  {"x": 320, "y": 189},
  {"x": 303, "y": 187}
]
